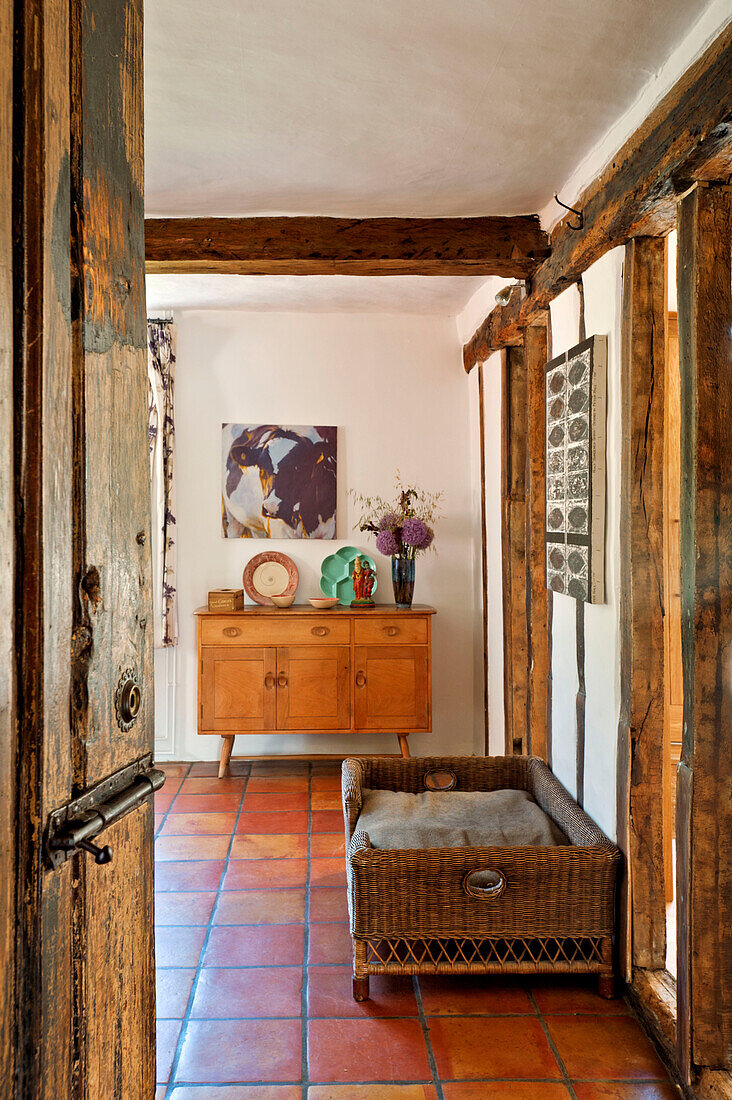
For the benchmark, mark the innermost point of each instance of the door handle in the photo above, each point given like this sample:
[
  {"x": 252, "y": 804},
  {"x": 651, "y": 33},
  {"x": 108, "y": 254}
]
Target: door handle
[
  {"x": 319, "y": 631},
  {"x": 282, "y": 680},
  {"x": 360, "y": 679},
  {"x": 269, "y": 681},
  {"x": 75, "y": 825}
]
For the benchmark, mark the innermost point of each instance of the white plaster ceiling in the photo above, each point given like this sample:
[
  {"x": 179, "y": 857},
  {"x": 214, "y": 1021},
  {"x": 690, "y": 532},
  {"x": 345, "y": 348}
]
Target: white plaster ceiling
[
  {"x": 444, "y": 297},
  {"x": 387, "y": 107}
]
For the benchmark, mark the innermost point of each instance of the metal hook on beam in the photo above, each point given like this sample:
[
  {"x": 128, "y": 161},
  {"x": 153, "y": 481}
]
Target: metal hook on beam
[{"x": 572, "y": 210}]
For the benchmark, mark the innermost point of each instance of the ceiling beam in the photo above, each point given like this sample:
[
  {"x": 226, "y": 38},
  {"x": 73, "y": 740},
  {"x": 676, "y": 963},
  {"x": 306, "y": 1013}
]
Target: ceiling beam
[
  {"x": 509, "y": 246},
  {"x": 686, "y": 138}
]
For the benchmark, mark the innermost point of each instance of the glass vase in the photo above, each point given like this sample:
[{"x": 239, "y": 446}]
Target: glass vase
[{"x": 402, "y": 574}]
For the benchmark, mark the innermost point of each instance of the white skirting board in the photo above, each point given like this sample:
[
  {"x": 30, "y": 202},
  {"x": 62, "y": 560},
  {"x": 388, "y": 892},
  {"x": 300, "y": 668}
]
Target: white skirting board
[{"x": 166, "y": 664}]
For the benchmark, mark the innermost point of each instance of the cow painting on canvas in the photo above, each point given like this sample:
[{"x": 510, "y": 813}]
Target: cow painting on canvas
[{"x": 278, "y": 481}]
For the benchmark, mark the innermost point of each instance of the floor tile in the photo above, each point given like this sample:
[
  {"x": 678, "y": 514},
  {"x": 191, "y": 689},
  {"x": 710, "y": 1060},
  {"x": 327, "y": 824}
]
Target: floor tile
[
  {"x": 384, "y": 1050},
  {"x": 158, "y": 820},
  {"x": 277, "y": 784},
  {"x": 273, "y": 823},
  {"x": 328, "y": 872},
  {"x": 227, "y": 785},
  {"x": 479, "y": 1048},
  {"x": 210, "y": 768},
  {"x": 611, "y": 1047},
  {"x": 256, "y": 992},
  {"x": 260, "y": 907},
  {"x": 182, "y": 907},
  {"x": 167, "y": 1032},
  {"x": 188, "y": 875},
  {"x": 328, "y": 821},
  {"x": 255, "y": 945},
  {"x": 615, "y": 1090},
  {"x": 172, "y": 990},
  {"x": 270, "y": 846},
  {"x": 198, "y": 824},
  {"x": 245, "y": 874},
  {"x": 327, "y": 845},
  {"x": 505, "y": 1090},
  {"x": 191, "y": 847},
  {"x": 173, "y": 769},
  {"x": 330, "y": 994},
  {"x": 178, "y": 946},
  {"x": 330, "y": 943},
  {"x": 557, "y": 995},
  {"x": 465, "y": 996},
  {"x": 372, "y": 1092},
  {"x": 237, "y": 1092},
  {"x": 274, "y": 803},
  {"x": 160, "y": 1091},
  {"x": 330, "y": 783},
  {"x": 328, "y": 904},
  {"x": 270, "y": 768},
  {"x": 329, "y": 801},
  {"x": 163, "y": 801},
  {"x": 236, "y": 1050},
  {"x": 207, "y": 803}
]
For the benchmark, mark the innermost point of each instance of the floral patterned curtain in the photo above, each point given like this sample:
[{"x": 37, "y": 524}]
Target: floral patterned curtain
[{"x": 161, "y": 339}]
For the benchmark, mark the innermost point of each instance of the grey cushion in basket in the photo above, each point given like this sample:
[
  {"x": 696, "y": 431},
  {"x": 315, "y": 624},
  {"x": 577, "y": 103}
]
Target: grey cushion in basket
[{"x": 456, "y": 819}]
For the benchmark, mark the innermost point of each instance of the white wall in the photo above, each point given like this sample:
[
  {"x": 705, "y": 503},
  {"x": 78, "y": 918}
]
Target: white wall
[
  {"x": 492, "y": 396},
  {"x": 395, "y": 387}
]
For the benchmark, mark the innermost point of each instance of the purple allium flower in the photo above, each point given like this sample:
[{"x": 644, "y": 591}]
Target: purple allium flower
[
  {"x": 389, "y": 521},
  {"x": 386, "y": 543},
  {"x": 414, "y": 533}
]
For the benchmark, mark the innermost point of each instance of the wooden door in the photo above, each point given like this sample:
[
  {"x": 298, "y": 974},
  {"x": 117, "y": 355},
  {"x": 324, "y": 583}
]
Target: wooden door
[
  {"x": 392, "y": 688},
  {"x": 238, "y": 688},
  {"x": 79, "y": 1010},
  {"x": 313, "y": 690}
]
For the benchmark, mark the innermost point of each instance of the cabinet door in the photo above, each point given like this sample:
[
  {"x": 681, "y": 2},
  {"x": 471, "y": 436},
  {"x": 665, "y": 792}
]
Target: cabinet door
[
  {"x": 313, "y": 688},
  {"x": 237, "y": 689},
  {"x": 392, "y": 688}
]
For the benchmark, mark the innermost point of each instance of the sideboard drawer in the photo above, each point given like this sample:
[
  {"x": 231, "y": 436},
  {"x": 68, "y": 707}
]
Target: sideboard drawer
[
  {"x": 403, "y": 630},
  {"x": 239, "y": 630}
]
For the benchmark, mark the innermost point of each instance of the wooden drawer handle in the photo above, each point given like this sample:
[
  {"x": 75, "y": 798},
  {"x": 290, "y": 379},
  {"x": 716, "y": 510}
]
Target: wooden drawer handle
[
  {"x": 360, "y": 679},
  {"x": 269, "y": 681},
  {"x": 282, "y": 680},
  {"x": 392, "y": 631},
  {"x": 231, "y": 631},
  {"x": 319, "y": 631}
]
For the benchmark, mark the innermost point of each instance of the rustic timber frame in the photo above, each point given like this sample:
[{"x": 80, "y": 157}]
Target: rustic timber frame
[
  {"x": 510, "y": 246},
  {"x": 677, "y": 165}
]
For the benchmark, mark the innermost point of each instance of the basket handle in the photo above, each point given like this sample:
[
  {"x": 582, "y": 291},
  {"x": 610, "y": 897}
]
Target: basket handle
[{"x": 484, "y": 883}]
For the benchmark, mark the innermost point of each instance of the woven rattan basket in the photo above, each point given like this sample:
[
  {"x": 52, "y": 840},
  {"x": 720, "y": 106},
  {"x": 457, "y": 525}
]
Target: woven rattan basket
[{"x": 414, "y": 912}]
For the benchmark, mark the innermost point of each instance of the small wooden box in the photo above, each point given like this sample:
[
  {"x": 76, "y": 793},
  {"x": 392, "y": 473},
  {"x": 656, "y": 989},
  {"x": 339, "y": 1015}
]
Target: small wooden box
[{"x": 226, "y": 599}]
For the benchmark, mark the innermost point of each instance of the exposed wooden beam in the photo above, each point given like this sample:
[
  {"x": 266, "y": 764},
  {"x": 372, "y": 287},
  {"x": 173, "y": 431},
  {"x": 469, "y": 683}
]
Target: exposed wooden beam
[
  {"x": 688, "y": 137},
  {"x": 704, "y": 815},
  {"x": 640, "y": 732},
  {"x": 511, "y": 246},
  {"x": 513, "y": 549}
]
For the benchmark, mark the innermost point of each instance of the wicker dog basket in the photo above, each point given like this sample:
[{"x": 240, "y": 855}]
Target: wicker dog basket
[{"x": 548, "y": 909}]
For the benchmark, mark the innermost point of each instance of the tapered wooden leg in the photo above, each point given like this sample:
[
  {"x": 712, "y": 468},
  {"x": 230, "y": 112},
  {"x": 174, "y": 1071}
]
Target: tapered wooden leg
[
  {"x": 404, "y": 745},
  {"x": 227, "y": 744},
  {"x": 361, "y": 989},
  {"x": 606, "y": 986}
]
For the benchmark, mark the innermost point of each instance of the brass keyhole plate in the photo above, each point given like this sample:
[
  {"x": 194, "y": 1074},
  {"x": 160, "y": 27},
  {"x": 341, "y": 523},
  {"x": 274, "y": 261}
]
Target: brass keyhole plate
[{"x": 127, "y": 699}]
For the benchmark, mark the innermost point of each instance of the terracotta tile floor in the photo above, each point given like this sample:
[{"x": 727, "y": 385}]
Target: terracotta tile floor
[{"x": 254, "y": 985}]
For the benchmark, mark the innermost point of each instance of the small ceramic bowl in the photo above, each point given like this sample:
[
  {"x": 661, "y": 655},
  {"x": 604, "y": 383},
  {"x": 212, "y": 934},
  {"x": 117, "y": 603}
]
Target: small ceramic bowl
[
  {"x": 283, "y": 601},
  {"x": 322, "y": 602}
]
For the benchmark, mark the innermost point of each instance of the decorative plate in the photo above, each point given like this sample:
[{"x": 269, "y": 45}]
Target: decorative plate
[
  {"x": 336, "y": 570},
  {"x": 270, "y": 574}
]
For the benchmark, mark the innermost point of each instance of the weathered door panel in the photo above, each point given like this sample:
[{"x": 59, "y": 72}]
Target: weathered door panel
[
  {"x": 112, "y": 536},
  {"x": 78, "y": 963}
]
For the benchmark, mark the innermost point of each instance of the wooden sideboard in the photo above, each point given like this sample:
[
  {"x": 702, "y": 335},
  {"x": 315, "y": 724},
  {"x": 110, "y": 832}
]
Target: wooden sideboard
[{"x": 270, "y": 670}]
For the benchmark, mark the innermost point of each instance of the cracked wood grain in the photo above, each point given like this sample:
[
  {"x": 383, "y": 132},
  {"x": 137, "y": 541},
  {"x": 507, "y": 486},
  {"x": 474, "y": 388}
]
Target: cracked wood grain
[{"x": 641, "y": 595}]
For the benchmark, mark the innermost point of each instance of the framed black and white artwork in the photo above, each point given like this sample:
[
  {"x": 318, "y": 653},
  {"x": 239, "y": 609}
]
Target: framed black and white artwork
[{"x": 576, "y": 406}]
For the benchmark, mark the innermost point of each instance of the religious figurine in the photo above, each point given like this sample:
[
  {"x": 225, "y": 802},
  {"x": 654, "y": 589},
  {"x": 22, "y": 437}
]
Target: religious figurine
[{"x": 363, "y": 578}]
